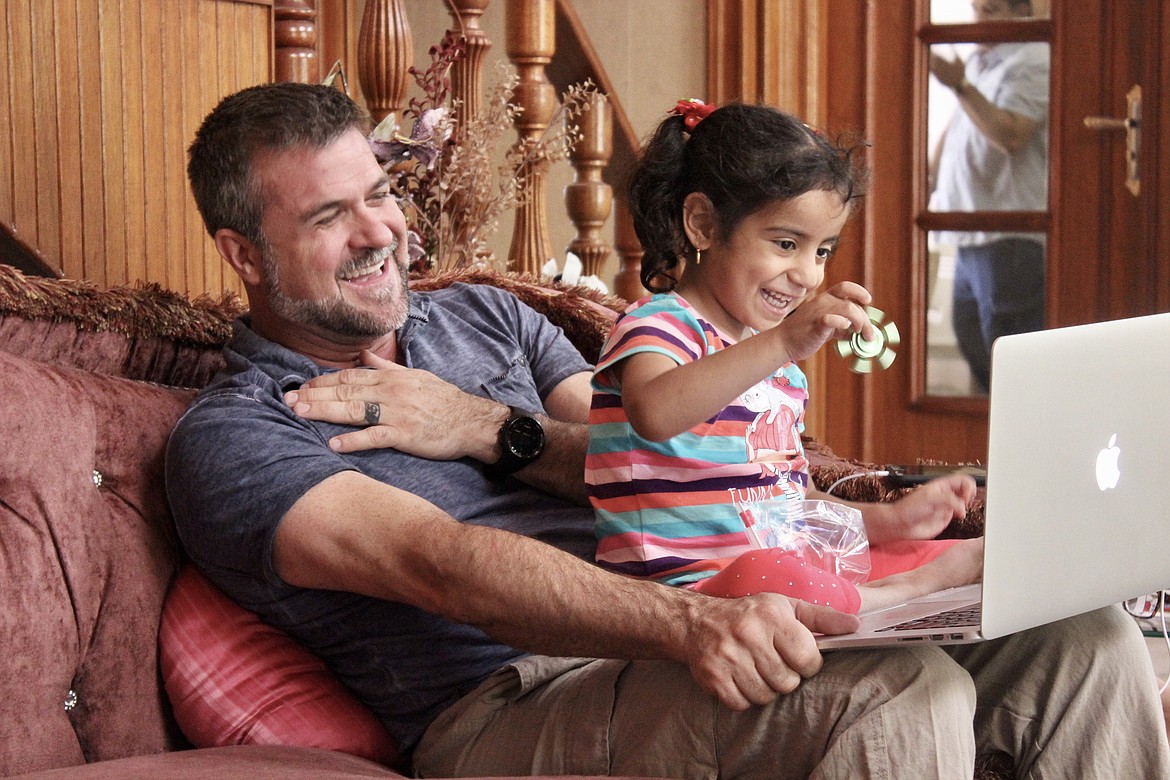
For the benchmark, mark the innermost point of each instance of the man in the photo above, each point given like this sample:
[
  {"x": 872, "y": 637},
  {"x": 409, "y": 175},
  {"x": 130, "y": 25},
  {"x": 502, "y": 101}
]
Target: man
[
  {"x": 345, "y": 479},
  {"x": 994, "y": 157}
]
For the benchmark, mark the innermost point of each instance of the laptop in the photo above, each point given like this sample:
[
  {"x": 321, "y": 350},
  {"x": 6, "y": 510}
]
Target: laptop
[{"x": 1078, "y": 486}]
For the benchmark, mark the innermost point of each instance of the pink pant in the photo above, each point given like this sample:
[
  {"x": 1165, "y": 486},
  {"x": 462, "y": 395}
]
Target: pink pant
[{"x": 787, "y": 573}]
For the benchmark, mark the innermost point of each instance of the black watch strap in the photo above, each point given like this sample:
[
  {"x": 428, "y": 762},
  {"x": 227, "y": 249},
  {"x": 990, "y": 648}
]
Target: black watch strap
[{"x": 521, "y": 442}]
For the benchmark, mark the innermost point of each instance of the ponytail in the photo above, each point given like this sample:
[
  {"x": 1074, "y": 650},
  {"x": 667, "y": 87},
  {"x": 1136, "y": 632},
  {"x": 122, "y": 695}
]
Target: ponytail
[
  {"x": 656, "y": 193},
  {"x": 742, "y": 157}
]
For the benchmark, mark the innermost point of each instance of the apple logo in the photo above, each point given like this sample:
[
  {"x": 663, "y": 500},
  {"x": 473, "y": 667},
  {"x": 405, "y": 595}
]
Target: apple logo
[{"x": 1107, "y": 472}]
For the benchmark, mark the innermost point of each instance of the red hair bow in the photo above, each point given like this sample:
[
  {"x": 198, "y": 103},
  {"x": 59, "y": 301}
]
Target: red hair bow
[{"x": 693, "y": 111}]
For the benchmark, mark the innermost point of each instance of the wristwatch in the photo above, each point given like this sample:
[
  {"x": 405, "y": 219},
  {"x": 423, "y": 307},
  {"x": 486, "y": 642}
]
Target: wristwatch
[{"x": 521, "y": 442}]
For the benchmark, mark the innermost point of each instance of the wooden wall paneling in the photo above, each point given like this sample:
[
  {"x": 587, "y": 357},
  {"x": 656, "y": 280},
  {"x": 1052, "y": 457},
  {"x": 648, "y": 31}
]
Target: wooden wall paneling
[
  {"x": 748, "y": 88},
  {"x": 194, "y": 106},
  {"x": 92, "y": 171},
  {"x": 236, "y": 70},
  {"x": 259, "y": 55},
  {"x": 724, "y": 55},
  {"x": 240, "y": 70},
  {"x": 113, "y": 146},
  {"x": 142, "y": 107},
  {"x": 8, "y": 129},
  {"x": 100, "y": 100},
  {"x": 262, "y": 70},
  {"x": 255, "y": 59},
  {"x": 24, "y": 210},
  {"x": 175, "y": 137},
  {"x": 198, "y": 100},
  {"x": 210, "y": 89},
  {"x": 733, "y": 50},
  {"x": 225, "y": 77},
  {"x": 789, "y": 71},
  {"x": 44, "y": 106},
  {"x": 69, "y": 182},
  {"x": 244, "y": 68}
]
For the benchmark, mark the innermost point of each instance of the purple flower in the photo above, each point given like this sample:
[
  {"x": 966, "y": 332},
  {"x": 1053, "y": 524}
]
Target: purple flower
[{"x": 427, "y": 136}]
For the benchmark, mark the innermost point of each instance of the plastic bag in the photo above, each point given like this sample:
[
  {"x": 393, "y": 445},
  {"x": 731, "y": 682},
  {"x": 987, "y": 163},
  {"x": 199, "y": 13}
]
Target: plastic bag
[{"x": 828, "y": 535}]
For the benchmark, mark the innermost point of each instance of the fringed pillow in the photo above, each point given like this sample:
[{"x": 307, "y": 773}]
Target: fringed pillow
[{"x": 142, "y": 332}]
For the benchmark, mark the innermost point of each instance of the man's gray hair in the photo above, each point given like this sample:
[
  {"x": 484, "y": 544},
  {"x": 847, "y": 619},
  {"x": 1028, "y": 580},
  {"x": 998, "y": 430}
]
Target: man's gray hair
[{"x": 263, "y": 118}]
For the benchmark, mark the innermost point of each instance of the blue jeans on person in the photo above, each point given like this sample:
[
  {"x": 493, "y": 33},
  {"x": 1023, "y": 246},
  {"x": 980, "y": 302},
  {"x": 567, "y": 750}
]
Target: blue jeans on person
[{"x": 999, "y": 289}]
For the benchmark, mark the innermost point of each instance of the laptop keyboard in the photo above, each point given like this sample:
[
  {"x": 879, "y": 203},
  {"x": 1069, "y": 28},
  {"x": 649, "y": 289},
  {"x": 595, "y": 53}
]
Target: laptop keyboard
[{"x": 963, "y": 616}]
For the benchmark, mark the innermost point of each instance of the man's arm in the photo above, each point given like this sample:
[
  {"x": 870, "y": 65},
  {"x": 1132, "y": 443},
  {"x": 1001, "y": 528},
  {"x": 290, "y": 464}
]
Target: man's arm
[
  {"x": 428, "y": 417},
  {"x": 560, "y": 468},
  {"x": 1005, "y": 129},
  {"x": 1008, "y": 130},
  {"x": 353, "y": 533}
]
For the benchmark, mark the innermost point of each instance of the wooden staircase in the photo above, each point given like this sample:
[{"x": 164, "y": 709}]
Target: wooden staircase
[
  {"x": 550, "y": 49},
  {"x": 102, "y": 100}
]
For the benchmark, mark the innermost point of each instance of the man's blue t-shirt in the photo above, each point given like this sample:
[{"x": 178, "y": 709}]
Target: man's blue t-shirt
[{"x": 239, "y": 459}]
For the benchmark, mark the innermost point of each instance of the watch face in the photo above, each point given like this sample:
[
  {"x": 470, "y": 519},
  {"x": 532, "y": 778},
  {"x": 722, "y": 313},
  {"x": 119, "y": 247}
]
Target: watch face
[{"x": 525, "y": 437}]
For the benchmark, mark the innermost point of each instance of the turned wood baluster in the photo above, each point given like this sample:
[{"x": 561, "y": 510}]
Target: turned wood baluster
[
  {"x": 295, "y": 35},
  {"x": 531, "y": 26},
  {"x": 627, "y": 282},
  {"x": 466, "y": 72},
  {"x": 589, "y": 200},
  {"x": 385, "y": 51},
  {"x": 466, "y": 94}
]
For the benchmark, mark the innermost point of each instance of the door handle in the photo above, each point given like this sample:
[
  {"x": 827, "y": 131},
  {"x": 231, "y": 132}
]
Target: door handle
[{"x": 1132, "y": 125}]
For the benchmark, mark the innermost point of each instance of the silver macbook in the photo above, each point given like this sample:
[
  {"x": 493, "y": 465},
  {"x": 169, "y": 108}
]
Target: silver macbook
[{"x": 1078, "y": 486}]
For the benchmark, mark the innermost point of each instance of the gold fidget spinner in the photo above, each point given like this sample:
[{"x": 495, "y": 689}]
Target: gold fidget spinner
[{"x": 873, "y": 354}]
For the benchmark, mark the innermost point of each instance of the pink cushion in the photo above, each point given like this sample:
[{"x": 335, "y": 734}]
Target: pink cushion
[
  {"x": 235, "y": 680},
  {"x": 86, "y": 556}
]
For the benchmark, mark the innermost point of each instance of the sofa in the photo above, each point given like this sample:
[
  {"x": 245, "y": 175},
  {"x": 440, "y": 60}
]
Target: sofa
[{"x": 119, "y": 660}]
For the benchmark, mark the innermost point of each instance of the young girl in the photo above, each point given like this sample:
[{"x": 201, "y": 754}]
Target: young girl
[{"x": 697, "y": 392}]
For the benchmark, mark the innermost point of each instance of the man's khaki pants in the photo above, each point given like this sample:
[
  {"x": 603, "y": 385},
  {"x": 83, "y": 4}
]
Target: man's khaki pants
[{"x": 1075, "y": 699}]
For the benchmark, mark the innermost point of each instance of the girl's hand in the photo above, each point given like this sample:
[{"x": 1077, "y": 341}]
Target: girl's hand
[
  {"x": 836, "y": 311},
  {"x": 926, "y": 511}
]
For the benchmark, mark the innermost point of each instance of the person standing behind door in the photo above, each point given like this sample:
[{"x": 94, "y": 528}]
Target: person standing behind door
[{"x": 994, "y": 157}]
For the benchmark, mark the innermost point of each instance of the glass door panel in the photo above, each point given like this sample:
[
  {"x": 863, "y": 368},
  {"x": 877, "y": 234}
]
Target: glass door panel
[{"x": 985, "y": 214}]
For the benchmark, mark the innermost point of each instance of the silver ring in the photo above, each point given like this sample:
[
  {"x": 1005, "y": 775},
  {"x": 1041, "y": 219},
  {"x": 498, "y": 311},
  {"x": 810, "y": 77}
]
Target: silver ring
[{"x": 373, "y": 413}]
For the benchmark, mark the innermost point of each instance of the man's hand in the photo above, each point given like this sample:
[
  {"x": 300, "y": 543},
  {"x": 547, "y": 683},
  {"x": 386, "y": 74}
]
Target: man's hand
[
  {"x": 749, "y": 650},
  {"x": 950, "y": 73},
  {"x": 419, "y": 413}
]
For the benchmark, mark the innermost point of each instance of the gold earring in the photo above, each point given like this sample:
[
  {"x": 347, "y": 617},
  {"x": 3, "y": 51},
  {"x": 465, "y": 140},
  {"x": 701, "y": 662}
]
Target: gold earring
[{"x": 698, "y": 256}]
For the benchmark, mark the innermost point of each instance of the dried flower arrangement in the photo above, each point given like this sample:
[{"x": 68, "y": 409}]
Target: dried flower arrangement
[{"x": 448, "y": 172}]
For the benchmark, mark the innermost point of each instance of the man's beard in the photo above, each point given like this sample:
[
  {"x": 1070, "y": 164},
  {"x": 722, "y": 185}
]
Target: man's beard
[{"x": 335, "y": 315}]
